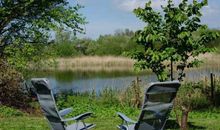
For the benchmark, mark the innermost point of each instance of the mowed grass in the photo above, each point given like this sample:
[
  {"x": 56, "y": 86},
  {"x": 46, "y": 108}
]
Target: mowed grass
[
  {"x": 12, "y": 119},
  {"x": 39, "y": 123},
  {"x": 205, "y": 119},
  {"x": 23, "y": 123}
]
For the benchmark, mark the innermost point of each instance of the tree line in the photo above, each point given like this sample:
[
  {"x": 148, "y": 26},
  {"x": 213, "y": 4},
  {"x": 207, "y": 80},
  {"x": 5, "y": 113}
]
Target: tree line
[{"x": 120, "y": 43}]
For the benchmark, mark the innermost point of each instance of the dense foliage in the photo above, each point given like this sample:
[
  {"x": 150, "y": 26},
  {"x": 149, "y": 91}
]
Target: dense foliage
[
  {"x": 31, "y": 21},
  {"x": 121, "y": 43},
  {"x": 117, "y": 44}
]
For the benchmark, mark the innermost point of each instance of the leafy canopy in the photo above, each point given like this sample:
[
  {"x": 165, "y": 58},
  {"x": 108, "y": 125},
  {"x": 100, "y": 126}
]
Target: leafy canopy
[
  {"x": 169, "y": 36},
  {"x": 32, "y": 21}
]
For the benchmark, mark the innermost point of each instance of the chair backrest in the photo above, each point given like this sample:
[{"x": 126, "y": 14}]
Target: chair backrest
[
  {"x": 158, "y": 103},
  {"x": 47, "y": 103}
]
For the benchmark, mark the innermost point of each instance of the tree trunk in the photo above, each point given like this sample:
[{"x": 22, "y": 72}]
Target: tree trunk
[
  {"x": 184, "y": 120},
  {"x": 178, "y": 120}
]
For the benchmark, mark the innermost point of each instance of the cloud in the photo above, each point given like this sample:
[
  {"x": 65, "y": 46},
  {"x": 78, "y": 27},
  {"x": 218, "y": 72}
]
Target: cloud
[
  {"x": 211, "y": 10},
  {"x": 82, "y": 2},
  {"x": 211, "y": 14},
  {"x": 129, "y": 5}
]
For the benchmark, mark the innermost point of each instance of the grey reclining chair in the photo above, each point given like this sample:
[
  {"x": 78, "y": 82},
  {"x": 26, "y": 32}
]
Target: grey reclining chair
[
  {"x": 56, "y": 118},
  {"x": 156, "y": 107}
]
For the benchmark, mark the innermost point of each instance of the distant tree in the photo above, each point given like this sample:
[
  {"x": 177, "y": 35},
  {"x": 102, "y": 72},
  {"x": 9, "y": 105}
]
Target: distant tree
[
  {"x": 31, "y": 21},
  {"x": 64, "y": 36},
  {"x": 82, "y": 45},
  {"x": 169, "y": 39},
  {"x": 116, "y": 44},
  {"x": 125, "y": 32}
]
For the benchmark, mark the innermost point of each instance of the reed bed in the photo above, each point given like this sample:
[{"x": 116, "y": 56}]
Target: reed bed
[
  {"x": 212, "y": 60},
  {"x": 113, "y": 63},
  {"x": 93, "y": 63}
]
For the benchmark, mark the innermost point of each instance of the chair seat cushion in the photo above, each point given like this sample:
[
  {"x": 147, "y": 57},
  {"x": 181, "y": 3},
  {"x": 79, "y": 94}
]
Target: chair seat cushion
[
  {"x": 79, "y": 126},
  {"x": 145, "y": 126}
]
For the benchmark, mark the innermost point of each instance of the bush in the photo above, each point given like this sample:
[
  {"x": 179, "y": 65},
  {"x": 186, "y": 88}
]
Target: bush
[
  {"x": 104, "y": 105},
  {"x": 207, "y": 90},
  {"x": 64, "y": 50},
  {"x": 11, "y": 92},
  {"x": 190, "y": 96},
  {"x": 114, "y": 45}
]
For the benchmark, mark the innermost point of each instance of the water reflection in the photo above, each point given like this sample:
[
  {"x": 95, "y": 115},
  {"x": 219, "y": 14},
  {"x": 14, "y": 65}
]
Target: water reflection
[{"x": 89, "y": 81}]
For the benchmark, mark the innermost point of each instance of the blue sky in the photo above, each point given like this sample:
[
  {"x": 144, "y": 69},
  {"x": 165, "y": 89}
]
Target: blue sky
[{"x": 106, "y": 16}]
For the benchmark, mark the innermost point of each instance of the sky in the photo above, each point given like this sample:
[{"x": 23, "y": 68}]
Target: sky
[{"x": 107, "y": 16}]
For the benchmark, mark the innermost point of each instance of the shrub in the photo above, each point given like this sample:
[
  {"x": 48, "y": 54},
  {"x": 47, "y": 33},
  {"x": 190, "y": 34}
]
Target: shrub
[
  {"x": 64, "y": 49},
  {"x": 11, "y": 92},
  {"x": 189, "y": 97},
  {"x": 133, "y": 95}
]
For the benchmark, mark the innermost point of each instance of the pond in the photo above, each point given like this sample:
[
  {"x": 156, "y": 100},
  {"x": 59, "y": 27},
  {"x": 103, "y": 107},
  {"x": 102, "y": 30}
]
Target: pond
[{"x": 97, "y": 81}]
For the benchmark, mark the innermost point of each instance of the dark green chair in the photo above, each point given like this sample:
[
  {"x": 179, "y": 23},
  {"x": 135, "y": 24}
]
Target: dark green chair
[
  {"x": 158, "y": 103},
  {"x": 56, "y": 118}
]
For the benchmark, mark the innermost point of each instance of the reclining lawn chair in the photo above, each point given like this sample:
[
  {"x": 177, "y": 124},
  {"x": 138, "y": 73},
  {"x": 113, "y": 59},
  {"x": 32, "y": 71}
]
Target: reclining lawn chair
[
  {"x": 156, "y": 107},
  {"x": 55, "y": 117}
]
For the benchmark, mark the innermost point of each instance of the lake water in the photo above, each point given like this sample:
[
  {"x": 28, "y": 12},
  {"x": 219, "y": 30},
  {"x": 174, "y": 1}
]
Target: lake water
[{"x": 90, "y": 81}]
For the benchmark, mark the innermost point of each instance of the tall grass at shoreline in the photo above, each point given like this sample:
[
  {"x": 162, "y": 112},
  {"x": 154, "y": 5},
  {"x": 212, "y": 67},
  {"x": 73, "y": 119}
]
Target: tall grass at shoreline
[
  {"x": 92, "y": 63},
  {"x": 97, "y": 63},
  {"x": 111, "y": 63}
]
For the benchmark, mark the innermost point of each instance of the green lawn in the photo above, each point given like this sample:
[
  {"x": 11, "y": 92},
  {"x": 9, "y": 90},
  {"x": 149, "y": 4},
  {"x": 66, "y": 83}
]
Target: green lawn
[
  {"x": 104, "y": 116},
  {"x": 198, "y": 120},
  {"x": 23, "y": 123},
  {"x": 39, "y": 123}
]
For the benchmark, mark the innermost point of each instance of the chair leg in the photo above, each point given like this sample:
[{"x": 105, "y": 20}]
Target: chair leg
[
  {"x": 77, "y": 123},
  {"x": 123, "y": 127},
  {"x": 164, "y": 124},
  {"x": 84, "y": 125}
]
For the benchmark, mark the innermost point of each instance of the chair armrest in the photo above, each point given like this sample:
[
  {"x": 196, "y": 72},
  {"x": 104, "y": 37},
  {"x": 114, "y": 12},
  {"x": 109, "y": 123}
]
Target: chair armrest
[
  {"x": 79, "y": 117},
  {"x": 125, "y": 118},
  {"x": 65, "y": 111}
]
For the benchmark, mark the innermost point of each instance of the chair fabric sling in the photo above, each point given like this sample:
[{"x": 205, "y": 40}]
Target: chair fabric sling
[
  {"x": 56, "y": 118},
  {"x": 157, "y": 104}
]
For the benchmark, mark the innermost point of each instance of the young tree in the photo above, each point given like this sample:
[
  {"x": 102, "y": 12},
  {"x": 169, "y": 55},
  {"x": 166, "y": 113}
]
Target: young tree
[{"x": 169, "y": 36}]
